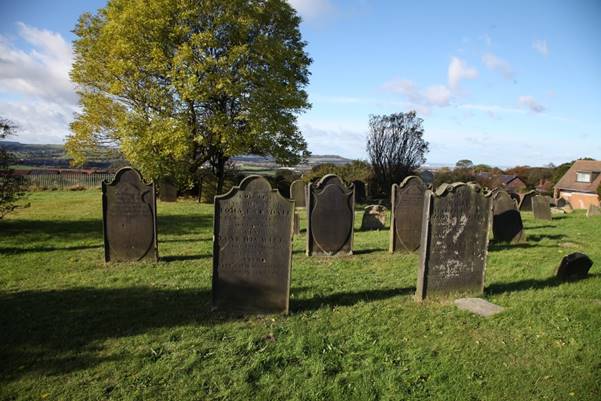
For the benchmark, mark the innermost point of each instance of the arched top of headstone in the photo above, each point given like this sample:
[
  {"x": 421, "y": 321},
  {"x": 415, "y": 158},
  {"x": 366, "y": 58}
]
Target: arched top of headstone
[
  {"x": 255, "y": 183},
  {"x": 445, "y": 189},
  {"x": 531, "y": 192},
  {"x": 415, "y": 178},
  {"x": 500, "y": 193},
  {"x": 127, "y": 174},
  {"x": 330, "y": 179}
]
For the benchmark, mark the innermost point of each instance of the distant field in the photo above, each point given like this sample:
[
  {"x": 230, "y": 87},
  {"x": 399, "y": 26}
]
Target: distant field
[{"x": 72, "y": 328}]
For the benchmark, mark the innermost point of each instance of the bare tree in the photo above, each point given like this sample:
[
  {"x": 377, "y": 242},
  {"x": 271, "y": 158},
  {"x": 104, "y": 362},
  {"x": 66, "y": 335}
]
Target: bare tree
[{"x": 396, "y": 147}]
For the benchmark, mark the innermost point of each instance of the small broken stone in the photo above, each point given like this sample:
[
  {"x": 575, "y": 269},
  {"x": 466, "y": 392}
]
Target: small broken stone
[{"x": 478, "y": 306}]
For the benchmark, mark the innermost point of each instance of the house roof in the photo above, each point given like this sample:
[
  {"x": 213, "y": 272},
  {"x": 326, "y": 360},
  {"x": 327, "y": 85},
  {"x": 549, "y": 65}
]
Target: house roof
[
  {"x": 506, "y": 179},
  {"x": 568, "y": 181}
]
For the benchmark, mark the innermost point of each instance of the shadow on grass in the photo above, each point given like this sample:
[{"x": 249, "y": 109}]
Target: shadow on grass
[
  {"x": 53, "y": 332},
  {"x": 540, "y": 237},
  {"x": 177, "y": 258},
  {"x": 530, "y": 284},
  {"x": 537, "y": 227},
  {"x": 16, "y": 251},
  {"x": 367, "y": 251},
  {"x": 503, "y": 246},
  {"x": 92, "y": 228},
  {"x": 347, "y": 298}
]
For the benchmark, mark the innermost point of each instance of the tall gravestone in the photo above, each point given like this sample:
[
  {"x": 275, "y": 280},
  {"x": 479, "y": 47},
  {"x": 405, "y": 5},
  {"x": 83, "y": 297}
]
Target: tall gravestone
[
  {"x": 129, "y": 218},
  {"x": 330, "y": 217},
  {"x": 507, "y": 225},
  {"x": 297, "y": 193},
  {"x": 360, "y": 191},
  {"x": 252, "y": 248},
  {"x": 407, "y": 212},
  {"x": 454, "y": 241},
  {"x": 526, "y": 201},
  {"x": 541, "y": 208}
]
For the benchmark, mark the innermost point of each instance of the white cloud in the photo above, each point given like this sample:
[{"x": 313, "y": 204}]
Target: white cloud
[
  {"x": 438, "y": 95},
  {"x": 530, "y": 103},
  {"x": 36, "y": 80},
  {"x": 541, "y": 47},
  {"x": 458, "y": 70},
  {"x": 311, "y": 8},
  {"x": 420, "y": 100},
  {"x": 327, "y": 137},
  {"x": 491, "y": 108},
  {"x": 498, "y": 64}
]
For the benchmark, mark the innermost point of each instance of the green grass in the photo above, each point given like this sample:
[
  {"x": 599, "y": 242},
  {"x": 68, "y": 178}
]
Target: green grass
[{"x": 72, "y": 328}]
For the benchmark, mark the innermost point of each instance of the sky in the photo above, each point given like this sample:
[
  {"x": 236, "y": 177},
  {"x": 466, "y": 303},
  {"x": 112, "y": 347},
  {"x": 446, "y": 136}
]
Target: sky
[{"x": 503, "y": 83}]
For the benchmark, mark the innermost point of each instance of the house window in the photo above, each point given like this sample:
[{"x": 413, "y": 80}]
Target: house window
[{"x": 583, "y": 177}]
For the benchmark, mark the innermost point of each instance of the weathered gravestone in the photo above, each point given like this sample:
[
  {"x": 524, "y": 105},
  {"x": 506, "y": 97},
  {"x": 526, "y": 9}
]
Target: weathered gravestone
[
  {"x": 478, "y": 306},
  {"x": 454, "y": 241},
  {"x": 297, "y": 193},
  {"x": 574, "y": 266},
  {"x": 561, "y": 202},
  {"x": 541, "y": 208},
  {"x": 167, "y": 190},
  {"x": 360, "y": 191},
  {"x": 374, "y": 218},
  {"x": 507, "y": 223},
  {"x": 407, "y": 213},
  {"x": 252, "y": 248},
  {"x": 129, "y": 218},
  {"x": 526, "y": 201},
  {"x": 593, "y": 211},
  {"x": 297, "y": 228},
  {"x": 330, "y": 217}
]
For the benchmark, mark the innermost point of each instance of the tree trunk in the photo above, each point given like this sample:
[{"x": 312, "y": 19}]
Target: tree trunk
[
  {"x": 200, "y": 180},
  {"x": 220, "y": 174}
]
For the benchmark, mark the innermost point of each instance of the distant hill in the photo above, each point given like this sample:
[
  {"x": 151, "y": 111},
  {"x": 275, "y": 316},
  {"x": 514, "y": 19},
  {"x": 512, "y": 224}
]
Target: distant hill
[{"x": 54, "y": 156}]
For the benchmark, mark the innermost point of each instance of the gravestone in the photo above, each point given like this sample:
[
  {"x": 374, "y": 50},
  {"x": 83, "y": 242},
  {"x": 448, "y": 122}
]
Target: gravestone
[
  {"x": 360, "y": 191},
  {"x": 478, "y": 306},
  {"x": 407, "y": 213},
  {"x": 574, "y": 266},
  {"x": 252, "y": 248},
  {"x": 129, "y": 218},
  {"x": 593, "y": 211},
  {"x": 454, "y": 241},
  {"x": 297, "y": 193},
  {"x": 507, "y": 223},
  {"x": 297, "y": 228},
  {"x": 167, "y": 190},
  {"x": 374, "y": 218},
  {"x": 516, "y": 198},
  {"x": 541, "y": 208},
  {"x": 568, "y": 208},
  {"x": 561, "y": 202},
  {"x": 526, "y": 201},
  {"x": 330, "y": 217}
]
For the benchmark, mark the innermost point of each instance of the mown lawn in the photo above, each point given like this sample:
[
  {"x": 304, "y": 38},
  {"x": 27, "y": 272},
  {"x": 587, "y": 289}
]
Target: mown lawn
[{"x": 72, "y": 328}]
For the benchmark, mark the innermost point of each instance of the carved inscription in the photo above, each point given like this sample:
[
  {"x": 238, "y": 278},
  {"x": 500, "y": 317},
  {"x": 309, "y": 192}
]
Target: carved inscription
[
  {"x": 455, "y": 238},
  {"x": 252, "y": 248},
  {"x": 407, "y": 211},
  {"x": 129, "y": 221}
]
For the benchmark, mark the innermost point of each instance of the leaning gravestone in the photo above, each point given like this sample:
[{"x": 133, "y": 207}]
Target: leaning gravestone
[
  {"x": 454, "y": 241},
  {"x": 129, "y": 218},
  {"x": 297, "y": 193},
  {"x": 407, "y": 212},
  {"x": 526, "y": 201},
  {"x": 330, "y": 217},
  {"x": 167, "y": 190},
  {"x": 593, "y": 211},
  {"x": 374, "y": 218},
  {"x": 360, "y": 191},
  {"x": 541, "y": 208},
  {"x": 574, "y": 266},
  {"x": 252, "y": 248},
  {"x": 507, "y": 223}
]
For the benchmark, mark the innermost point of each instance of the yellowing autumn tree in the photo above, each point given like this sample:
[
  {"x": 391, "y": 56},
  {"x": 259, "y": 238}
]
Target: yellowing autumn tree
[{"x": 179, "y": 83}]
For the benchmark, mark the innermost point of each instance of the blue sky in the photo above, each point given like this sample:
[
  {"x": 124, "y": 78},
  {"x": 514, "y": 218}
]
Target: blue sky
[{"x": 502, "y": 83}]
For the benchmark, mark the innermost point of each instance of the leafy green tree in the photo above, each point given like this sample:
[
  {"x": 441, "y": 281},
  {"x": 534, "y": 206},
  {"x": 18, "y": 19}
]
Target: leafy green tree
[
  {"x": 176, "y": 84},
  {"x": 464, "y": 163},
  {"x": 11, "y": 187},
  {"x": 396, "y": 148}
]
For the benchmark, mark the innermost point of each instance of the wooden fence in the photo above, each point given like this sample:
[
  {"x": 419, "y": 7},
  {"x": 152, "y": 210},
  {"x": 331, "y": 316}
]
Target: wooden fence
[{"x": 63, "y": 179}]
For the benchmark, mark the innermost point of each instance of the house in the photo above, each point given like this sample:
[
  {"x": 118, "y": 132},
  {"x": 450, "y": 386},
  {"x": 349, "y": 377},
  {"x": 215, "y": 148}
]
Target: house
[
  {"x": 580, "y": 183},
  {"x": 511, "y": 183}
]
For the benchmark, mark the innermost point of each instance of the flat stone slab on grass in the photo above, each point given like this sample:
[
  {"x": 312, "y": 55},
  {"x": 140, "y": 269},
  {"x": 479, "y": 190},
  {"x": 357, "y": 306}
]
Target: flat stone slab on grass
[{"x": 478, "y": 306}]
